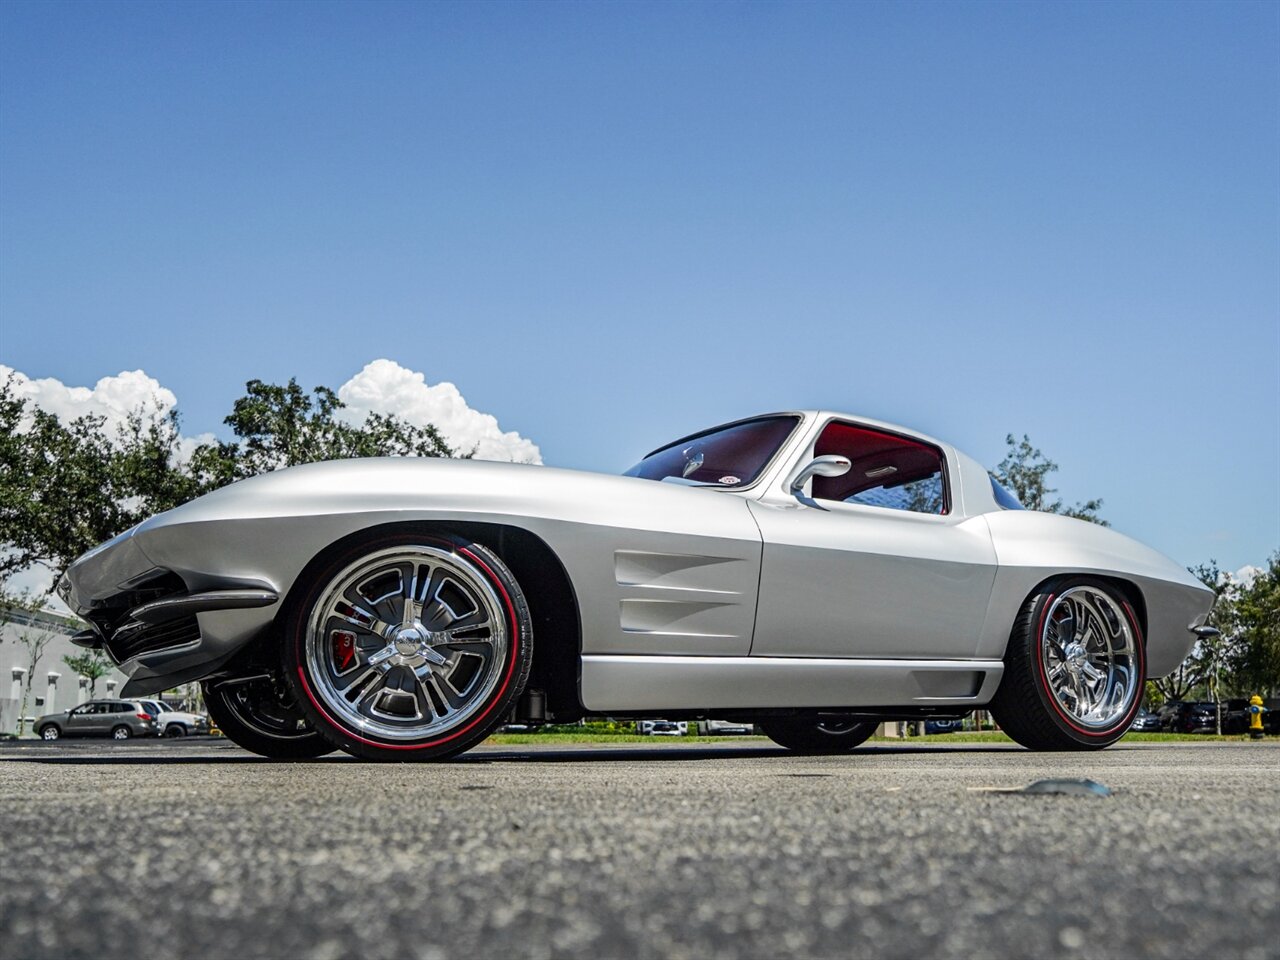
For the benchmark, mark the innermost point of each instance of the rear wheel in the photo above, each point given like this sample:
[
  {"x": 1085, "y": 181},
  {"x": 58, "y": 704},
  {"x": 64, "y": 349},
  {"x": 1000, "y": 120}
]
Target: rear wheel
[
  {"x": 1074, "y": 669},
  {"x": 816, "y": 736},
  {"x": 261, "y": 715},
  {"x": 121, "y": 733},
  {"x": 409, "y": 646}
]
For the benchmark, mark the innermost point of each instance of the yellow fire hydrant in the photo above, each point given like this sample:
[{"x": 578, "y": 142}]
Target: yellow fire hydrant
[{"x": 1256, "y": 710}]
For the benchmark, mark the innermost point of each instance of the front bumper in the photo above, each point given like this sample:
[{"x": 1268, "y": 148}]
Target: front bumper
[{"x": 158, "y": 630}]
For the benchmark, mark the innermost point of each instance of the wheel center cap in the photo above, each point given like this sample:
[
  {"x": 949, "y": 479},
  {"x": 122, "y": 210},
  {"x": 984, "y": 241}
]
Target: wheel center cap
[
  {"x": 408, "y": 640},
  {"x": 1075, "y": 654}
]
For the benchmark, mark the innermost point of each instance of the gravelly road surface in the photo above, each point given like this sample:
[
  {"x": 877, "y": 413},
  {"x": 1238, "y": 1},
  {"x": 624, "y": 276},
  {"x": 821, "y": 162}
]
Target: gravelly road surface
[{"x": 724, "y": 850}]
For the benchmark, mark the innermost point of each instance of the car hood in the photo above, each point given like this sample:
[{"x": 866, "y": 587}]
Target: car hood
[{"x": 392, "y": 483}]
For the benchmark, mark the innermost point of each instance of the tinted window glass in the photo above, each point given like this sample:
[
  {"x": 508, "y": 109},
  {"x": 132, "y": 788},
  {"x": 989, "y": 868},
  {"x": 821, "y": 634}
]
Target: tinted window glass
[
  {"x": 888, "y": 470},
  {"x": 1003, "y": 497},
  {"x": 728, "y": 456}
]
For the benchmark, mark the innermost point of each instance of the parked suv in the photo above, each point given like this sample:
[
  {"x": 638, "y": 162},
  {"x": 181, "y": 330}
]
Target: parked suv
[
  {"x": 174, "y": 723},
  {"x": 117, "y": 719}
]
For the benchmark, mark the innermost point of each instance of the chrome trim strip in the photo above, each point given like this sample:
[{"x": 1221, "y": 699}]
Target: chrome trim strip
[{"x": 171, "y": 608}]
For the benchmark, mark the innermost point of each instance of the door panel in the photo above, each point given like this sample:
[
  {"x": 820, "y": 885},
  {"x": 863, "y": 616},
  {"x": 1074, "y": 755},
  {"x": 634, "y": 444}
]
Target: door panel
[{"x": 847, "y": 580}]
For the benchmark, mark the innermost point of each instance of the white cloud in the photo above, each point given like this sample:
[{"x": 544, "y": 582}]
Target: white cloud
[
  {"x": 1246, "y": 575},
  {"x": 384, "y": 386},
  {"x": 111, "y": 397}
]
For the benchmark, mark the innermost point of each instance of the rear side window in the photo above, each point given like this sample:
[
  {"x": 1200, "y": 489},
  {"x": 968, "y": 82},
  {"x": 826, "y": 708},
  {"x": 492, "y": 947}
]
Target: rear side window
[
  {"x": 888, "y": 470},
  {"x": 1004, "y": 498}
]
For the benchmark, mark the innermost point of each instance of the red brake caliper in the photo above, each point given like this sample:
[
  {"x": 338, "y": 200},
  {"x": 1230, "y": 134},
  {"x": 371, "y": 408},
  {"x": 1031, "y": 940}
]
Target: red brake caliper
[{"x": 344, "y": 648}]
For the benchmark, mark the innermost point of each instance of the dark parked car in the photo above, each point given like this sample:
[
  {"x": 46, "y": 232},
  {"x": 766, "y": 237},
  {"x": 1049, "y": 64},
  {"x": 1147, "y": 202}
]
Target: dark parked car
[
  {"x": 1146, "y": 722},
  {"x": 117, "y": 719},
  {"x": 1190, "y": 718}
]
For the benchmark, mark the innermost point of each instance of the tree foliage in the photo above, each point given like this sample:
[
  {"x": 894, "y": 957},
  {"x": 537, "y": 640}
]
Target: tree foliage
[
  {"x": 1024, "y": 472},
  {"x": 1257, "y": 612},
  {"x": 66, "y": 487},
  {"x": 91, "y": 665},
  {"x": 1245, "y": 658}
]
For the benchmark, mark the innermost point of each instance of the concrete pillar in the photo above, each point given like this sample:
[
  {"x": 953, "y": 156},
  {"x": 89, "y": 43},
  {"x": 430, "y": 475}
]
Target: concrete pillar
[
  {"x": 83, "y": 695},
  {"x": 15, "y": 694},
  {"x": 51, "y": 692}
]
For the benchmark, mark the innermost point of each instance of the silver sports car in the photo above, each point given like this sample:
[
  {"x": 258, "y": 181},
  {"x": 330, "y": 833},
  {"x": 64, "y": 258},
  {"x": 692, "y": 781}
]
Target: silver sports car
[{"x": 810, "y": 572}]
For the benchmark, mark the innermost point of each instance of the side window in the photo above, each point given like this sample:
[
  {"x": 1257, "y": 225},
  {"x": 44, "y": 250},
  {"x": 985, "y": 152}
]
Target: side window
[
  {"x": 888, "y": 470},
  {"x": 120, "y": 708}
]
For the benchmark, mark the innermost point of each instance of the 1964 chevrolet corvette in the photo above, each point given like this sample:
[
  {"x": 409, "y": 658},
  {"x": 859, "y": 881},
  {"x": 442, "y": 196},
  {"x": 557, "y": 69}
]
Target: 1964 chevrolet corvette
[{"x": 811, "y": 572}]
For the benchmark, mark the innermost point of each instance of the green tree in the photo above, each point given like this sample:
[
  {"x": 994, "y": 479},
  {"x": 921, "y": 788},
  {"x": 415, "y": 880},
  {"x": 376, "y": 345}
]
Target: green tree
[
  {"x": 283, "y": 426},
  {"x": 64, "y": 488},
  {"x": 1024, "y": 472},
  {"x": 91, "y": 665},
  {"x": 1257, "y": 613}
]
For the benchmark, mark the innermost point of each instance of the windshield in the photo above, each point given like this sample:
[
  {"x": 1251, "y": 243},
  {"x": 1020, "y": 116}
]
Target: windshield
[{"x": 723, "y": 456}]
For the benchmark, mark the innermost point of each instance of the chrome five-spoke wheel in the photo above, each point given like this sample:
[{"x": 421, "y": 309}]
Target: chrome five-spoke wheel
[
  {"x": 408, "y": 647},
  {"x": 1074, "y": 669},
  {"x": 1087, "y": 653}
]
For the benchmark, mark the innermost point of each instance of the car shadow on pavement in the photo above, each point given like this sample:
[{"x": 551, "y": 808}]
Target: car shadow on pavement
[{"x": 228, "y": 754}]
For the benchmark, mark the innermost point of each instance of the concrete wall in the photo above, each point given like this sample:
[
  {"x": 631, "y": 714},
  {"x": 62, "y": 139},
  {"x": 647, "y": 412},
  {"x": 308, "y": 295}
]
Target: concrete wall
[{"x": 66, "y": 687}]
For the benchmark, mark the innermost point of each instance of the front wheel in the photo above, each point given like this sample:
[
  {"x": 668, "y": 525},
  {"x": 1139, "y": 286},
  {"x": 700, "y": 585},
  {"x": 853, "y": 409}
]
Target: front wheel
[
  {"x": 50, "y": 732},
  {"x": 409, "y": 646},
  {"x": 814, "y": 736},
  {"x": 257, "y": 713},
  {"x": 1074, "y": 669},
  {"x": 175, "y": 730}
]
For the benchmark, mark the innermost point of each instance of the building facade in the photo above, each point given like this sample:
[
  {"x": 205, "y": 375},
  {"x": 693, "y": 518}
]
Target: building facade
[{"x": 54, "y": 686}]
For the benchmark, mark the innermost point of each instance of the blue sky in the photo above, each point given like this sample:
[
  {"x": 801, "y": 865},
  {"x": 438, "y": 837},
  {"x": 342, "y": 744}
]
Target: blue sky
[{"x": 610, "y": 224}]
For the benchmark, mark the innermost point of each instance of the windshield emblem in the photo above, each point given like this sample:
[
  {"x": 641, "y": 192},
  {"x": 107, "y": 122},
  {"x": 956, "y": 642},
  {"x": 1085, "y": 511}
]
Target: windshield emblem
[{"x": 730, "y": 480}]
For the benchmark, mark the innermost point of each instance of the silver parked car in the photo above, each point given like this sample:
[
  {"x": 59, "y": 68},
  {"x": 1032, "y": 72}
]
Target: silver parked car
[
  {"x": 175, "y": 723},
  {"x": 117, "y": 719},
  {"x": 812, "y": 572}
]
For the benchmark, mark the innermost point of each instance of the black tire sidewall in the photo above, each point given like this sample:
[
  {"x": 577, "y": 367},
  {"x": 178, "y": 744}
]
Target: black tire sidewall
[
  {"x": 804, "y": 736},
  {"x": 306, "y": 747},
  {"x": 115, "y": 733},
  {"x": 450, "y": 742}
]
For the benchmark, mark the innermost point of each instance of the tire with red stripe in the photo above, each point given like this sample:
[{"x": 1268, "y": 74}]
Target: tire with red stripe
[
  {"x": 408, "y": 645},
  {"x": 1075, "y": 668}
]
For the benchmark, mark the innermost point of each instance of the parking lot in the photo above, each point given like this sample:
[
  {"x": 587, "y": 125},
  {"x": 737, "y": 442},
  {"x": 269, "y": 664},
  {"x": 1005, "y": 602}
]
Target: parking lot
[{"x": 731, "y": 849}]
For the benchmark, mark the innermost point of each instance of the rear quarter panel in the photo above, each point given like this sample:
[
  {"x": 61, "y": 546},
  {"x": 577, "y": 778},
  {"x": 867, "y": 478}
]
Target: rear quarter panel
[{"x": 1033, "y": 547}]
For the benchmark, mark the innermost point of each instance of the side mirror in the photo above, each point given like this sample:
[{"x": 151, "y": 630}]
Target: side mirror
[{"x": 828, "y": 466}]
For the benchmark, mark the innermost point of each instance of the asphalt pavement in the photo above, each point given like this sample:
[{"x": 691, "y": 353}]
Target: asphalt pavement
[{"x": 733, "y": 849}]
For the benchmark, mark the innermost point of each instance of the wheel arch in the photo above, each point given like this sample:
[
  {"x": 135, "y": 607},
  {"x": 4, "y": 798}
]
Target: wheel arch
[
  {"x": 1127, "y": 588},
  {"x": 548, "y": 589}
]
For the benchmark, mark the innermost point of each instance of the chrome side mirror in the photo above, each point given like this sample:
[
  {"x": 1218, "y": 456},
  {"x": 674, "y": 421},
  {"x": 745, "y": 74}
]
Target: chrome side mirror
[{"x": 828, "y": 466}]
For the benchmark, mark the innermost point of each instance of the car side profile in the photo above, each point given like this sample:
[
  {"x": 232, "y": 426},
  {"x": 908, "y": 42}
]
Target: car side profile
[
  {"x": 809, "y": 572},
  {"x": 117, "y": 719}
]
